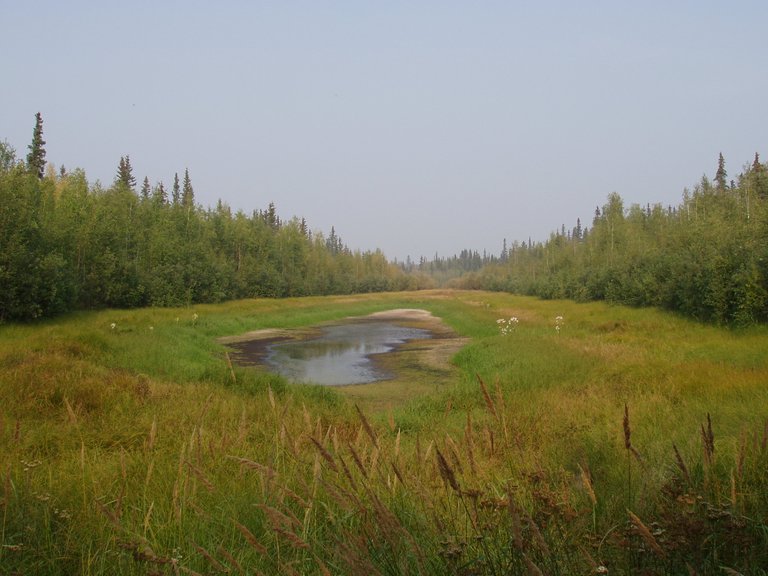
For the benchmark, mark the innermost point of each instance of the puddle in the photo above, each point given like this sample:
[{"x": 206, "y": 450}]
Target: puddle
[{"x": 339, "y": 355}]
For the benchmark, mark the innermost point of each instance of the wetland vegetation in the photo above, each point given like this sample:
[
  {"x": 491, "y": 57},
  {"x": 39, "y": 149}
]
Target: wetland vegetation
[{"x": 628, "y": 440}]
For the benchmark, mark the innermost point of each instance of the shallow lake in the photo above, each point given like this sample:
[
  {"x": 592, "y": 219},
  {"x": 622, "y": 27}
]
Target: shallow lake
[{"x": 341, "y": 354}]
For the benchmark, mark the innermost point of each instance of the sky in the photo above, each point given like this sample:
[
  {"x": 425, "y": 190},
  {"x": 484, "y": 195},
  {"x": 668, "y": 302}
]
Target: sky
[{"x": 417, "y": 128}]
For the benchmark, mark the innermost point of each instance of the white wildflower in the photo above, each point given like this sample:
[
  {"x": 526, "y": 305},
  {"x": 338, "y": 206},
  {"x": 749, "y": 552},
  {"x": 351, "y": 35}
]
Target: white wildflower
[{"x": 507, "y": 326}]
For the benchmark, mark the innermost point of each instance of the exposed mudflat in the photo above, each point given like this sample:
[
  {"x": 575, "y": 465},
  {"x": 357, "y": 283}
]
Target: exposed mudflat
[{"x": 412, "y": 366}]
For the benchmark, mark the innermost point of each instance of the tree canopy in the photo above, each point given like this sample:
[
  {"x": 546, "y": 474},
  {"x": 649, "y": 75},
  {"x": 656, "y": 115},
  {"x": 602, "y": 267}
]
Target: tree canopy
[
  {"x": 706, "y": 258},
  {"x": 67, "y": 244}
]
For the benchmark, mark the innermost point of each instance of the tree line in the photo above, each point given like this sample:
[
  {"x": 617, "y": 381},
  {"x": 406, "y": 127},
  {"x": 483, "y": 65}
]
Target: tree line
[
  {"x": 67, "y": 244},
  {"x": 706, "y": 258}
]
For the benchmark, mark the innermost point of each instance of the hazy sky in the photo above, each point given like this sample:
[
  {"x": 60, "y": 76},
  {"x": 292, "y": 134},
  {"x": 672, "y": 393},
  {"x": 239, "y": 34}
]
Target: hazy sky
[{"x": 414, "y": 127}]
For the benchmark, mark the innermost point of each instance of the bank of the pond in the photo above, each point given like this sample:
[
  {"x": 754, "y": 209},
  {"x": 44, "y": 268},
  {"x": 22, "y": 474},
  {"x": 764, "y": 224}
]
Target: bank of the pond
[{"x": 413, "y": 366}]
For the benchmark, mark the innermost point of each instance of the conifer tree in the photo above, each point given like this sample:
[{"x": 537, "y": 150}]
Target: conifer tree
[
  {"x": 759, "y": 177},
  {"x": 330, "y": 243},
  {"x": 721, "y": 174},
  {"x": 36, "y": 156},
  {"x": 271, "y": 218},
  {"x": 187, "y": 193},
  {"x": 159, "y": 195},
  {"x": 176, "y": 194},
  {"x": 145, "y": 189},
  {"x": 577, "y": 232},
  {"x": 125, "y": 175}
]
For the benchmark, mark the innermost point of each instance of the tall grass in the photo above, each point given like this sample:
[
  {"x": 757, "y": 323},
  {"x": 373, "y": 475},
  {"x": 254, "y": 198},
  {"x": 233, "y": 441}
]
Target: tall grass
[{"x": 628, "y": 442}]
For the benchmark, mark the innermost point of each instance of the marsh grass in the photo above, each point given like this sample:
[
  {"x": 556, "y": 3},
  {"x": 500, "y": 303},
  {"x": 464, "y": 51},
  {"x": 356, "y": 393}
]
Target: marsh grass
[{"x": 138, "y": 451}]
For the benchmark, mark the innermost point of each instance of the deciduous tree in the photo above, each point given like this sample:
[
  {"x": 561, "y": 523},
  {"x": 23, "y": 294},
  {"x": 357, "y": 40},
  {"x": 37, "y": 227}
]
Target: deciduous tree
[{"x": 7, "y": 156}]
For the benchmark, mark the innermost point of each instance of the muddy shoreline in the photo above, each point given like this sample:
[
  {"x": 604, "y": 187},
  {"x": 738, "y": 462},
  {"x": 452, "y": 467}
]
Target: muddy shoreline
[{"x": 431, "y": 354}]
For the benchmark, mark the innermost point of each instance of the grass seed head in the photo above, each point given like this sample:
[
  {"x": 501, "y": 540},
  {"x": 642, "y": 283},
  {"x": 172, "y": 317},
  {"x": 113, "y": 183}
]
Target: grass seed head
[
  {"x": 627, "y": 429},
  {"x": 646, "y": 534},
  {"x": 446, "y": 472}
]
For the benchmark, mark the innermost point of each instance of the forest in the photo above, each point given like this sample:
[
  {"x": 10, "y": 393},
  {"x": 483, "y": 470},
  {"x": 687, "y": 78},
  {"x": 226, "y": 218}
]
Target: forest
[
  {"x": 706, "y": 258},
  {"x": 67, "y": 244}
]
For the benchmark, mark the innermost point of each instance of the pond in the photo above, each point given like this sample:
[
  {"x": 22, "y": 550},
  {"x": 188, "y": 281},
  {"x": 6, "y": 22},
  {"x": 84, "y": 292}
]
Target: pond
[{"x": 339, "y": 355}]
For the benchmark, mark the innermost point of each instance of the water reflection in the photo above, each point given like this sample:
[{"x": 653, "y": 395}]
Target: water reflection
[{"x": 341, "y": 354}]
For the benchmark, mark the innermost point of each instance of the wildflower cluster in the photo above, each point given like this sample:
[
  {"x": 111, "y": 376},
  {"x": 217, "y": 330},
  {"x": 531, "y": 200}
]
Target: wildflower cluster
[
  {"x": 507, "y": 326},
  {"x": 558, "y": 323}
]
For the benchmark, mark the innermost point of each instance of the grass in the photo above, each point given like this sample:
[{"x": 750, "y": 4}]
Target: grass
[{"x": 139, "y": 450}]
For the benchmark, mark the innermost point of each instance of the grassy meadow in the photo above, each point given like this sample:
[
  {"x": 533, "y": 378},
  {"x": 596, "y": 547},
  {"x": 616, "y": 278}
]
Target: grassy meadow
[{"x": 628, "y": 441}]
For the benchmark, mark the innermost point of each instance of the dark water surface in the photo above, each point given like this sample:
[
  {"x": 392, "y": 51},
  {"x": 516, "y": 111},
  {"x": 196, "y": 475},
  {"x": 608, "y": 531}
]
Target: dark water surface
[{"x": 341, "y": 354}]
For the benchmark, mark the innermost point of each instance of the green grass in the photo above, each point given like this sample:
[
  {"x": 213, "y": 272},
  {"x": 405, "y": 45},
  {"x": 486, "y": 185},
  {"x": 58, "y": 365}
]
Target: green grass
[{"x": 133, "y": 450}]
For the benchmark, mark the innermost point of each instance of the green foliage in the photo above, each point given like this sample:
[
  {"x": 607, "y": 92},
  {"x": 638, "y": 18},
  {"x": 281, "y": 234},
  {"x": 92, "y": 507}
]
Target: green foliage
[
  {"x": 7, "y": 156},
  {"x": 188, "y": 193},
  {"x": 125, "y": 175},
  {"x": 176, "y": 191},
  {"x": 36, "y": 155},
  {"x": 706, "y": 258},
  {"x": 68, "y": 245}
]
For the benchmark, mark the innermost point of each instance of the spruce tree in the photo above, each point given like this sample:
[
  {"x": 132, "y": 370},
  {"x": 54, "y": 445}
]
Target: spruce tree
[
  {"x": 271, "y": 218},
  {"x": 721, "y": 174},
  {"x": 332, "y": 242},
  {"x": 36, "y": 156},
  {"x": 145, "y": 189},
  {"x": 159, "y": 195},
  {"x": 187, "y": 193},
  {"x": 759, "y": 178},
  {"x": 176, "y": 194},
  {"x": 125, "y": 175}
]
